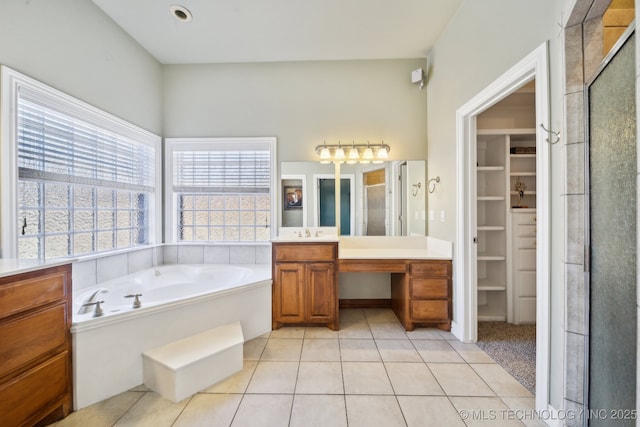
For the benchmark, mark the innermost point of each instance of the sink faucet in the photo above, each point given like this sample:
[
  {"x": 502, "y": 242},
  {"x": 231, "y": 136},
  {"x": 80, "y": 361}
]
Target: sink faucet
[
  {"x": 91, "y": 300},
  {"x": 307, "y": 233}
]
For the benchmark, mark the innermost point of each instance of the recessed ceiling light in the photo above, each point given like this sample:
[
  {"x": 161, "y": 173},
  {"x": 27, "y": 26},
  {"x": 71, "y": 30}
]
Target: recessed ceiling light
[{"x": 181, "y": 13}]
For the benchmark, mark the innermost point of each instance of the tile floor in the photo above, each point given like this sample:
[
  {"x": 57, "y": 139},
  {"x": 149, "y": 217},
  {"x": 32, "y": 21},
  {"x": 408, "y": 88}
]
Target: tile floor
[{"x": 370, "y": 373}]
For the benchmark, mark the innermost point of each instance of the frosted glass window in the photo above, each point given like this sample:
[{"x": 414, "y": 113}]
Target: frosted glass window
[
  {"x": 85, "y": 180},
  {"x": 222, "y": 191}
]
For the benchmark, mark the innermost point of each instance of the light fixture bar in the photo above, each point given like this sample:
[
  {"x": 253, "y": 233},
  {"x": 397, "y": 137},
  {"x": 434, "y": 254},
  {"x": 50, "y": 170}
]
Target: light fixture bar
[{"x": 363, "y": 153}]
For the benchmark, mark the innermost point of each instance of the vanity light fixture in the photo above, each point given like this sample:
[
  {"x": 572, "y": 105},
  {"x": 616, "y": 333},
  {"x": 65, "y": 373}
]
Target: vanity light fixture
[{"x": 358, "y": 153}]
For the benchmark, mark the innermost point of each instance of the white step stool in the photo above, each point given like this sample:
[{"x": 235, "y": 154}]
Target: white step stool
[{"x": 184, "y": 367}]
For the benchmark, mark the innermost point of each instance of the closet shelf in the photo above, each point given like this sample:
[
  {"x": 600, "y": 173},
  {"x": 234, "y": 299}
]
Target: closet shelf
[
  {"x": 491, "y": 228},
  {"x": 490, "y": 198},
  {"x": 490, "y": 168}
]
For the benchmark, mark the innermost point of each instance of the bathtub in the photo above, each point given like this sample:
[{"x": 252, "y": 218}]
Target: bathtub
[{"x": 177, "y": 301}]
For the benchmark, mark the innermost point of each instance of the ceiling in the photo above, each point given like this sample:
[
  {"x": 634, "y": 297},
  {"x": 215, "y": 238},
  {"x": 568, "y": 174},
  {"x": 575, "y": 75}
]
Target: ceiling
[{"x": 283, "y": 30}]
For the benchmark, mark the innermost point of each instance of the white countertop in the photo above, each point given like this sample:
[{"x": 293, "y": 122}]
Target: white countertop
[
  {"x": 11, "y": 266},
  {"x": 379, "y": 247}
]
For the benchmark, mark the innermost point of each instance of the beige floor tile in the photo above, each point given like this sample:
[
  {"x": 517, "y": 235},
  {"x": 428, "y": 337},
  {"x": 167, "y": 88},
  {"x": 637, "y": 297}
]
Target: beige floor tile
[
  {"x": 388, "y": 331},
  {"x": 500, "y": 381},
  {"x": 352, "y": 314},
  {"x": 380, "y": 315},
  {"x": 354, "y": 329},
  {"x": 434, "y": 351},
  {"x": 104, "y": 413},
  {"x": 397, "y": 351},
  {"x": 288, "y": 332},
  {"x": 282, "y": 349},
  {"x": 359, "y": 350},
  {"x": 484, "y": 411},
  {"x": 152, "y": 410},
  {"x": 471, "y": 353},
  {"x": 448, "y": 336},
  {"x": 374, "y": 411},
  {"x": 429, "y": 411},
  {"x": 253, "y": 349},
  {"x": 320, "y": 349},
  {"x": 412, "y": 379},
  {"x": 260, "y": 410},
  {"x": 424, "y": 334},
  {"x": 458, "y": 379},
  {"x": 365, "y": 378},
  {"x": 523, "y": 408},
  {"x": 209, "y": 410},
  {"x": 320, "y": 378},
  {"x": 318, "y": 411},
  {"x": 274, "y": 377},
  {"x": 236, "y": 383},
  {"x": 141, "y": 387},
  {"x": 320, "y": 332}
]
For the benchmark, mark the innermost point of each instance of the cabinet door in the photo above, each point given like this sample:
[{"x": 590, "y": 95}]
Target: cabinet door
[
  {"x": 289, "y": 292},
  {"x": 321, "y": 301}
]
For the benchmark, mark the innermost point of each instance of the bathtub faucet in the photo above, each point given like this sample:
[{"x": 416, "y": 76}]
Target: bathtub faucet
[
  {"x": 86, "y": 306},
  {"x": 136, "y": 299}
]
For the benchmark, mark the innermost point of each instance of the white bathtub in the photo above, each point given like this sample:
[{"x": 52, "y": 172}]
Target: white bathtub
[{"x": 177, "y": 301}]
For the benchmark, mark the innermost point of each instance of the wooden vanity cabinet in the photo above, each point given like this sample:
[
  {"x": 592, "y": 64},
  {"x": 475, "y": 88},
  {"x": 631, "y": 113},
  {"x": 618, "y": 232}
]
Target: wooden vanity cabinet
[
  {"x": 35, "y": 350},
  {"x": 422, "y": 295},
  {"x": 305, "y": 285}
]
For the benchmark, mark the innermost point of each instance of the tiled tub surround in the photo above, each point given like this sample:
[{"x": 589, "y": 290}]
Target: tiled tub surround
[{"x": 107, "y": 351}]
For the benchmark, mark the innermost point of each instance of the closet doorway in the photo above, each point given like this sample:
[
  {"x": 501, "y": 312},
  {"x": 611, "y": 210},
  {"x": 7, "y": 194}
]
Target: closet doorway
[{"x": 465, "y": 327}]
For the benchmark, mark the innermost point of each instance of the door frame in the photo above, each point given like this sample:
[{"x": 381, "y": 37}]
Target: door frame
[
  {"x": 352, "y": 199},
  {"x": 533, "y": 66}
]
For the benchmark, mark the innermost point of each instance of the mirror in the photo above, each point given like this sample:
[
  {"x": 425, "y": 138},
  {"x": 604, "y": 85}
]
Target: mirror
[{"x": 376, "y": 199}]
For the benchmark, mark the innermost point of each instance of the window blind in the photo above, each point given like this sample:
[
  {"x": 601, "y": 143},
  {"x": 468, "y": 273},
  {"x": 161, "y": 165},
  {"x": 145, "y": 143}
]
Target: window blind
[
  {"x": 57, "y": 147},
  {"x": 222, "y": 171}
]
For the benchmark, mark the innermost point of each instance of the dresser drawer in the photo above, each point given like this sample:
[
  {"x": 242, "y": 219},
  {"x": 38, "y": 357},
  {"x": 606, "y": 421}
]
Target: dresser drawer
[
  {"x": 429, "y": 269},
  {"x": 33, "y": 391},
  {"x": 429, "y": 288},
  {"x": 305, "y": 252},
  {"x": 526, "y": 231},
  {"x": 524, "y": 218},
  {"x": 25, "y": 294},
  {"x": 27, "y": 338},
  {"x": 526, "y": 259},
  {"x": 427, "y": 311}
]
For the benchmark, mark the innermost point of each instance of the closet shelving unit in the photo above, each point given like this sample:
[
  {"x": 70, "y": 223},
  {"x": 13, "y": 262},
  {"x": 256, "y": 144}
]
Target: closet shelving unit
[{"x": 496, "y": 173}]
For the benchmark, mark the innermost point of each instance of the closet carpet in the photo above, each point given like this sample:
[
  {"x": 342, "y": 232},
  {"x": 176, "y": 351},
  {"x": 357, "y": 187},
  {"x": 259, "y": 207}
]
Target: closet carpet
[{"x": 513, "y": 347}]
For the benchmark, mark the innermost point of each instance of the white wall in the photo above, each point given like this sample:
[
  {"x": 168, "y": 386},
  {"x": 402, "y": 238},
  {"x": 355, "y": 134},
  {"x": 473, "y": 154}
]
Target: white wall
[
  {"x": 73, "y": 46},
  {"x": 301, "y": 103},
  {"x": 482, "y": 42}
]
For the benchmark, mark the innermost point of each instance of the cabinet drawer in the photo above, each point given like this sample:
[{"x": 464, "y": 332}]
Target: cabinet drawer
[
  {"x": 429, "y": 288},
  {"x": 305, "y": 252},
  {"x": 526, "y": 284},
  {"x": 29, "y": 293},
  {"x": 526, "y": 259},
  {"x": 38, "y": 388},
  {"x": 524, "y": 218},
  {"x": 526, "y": 231},
  {"x": 427, "y": 311},
  {"x": 526, "y": 243},
  {"x": 27, "y": 338},
  {"x": 429, "y": 269}
]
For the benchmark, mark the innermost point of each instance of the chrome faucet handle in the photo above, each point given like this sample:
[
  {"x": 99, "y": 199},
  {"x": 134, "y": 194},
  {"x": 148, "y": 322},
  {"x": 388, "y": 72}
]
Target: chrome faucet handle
[
  {"x": 136, "y": 299},
  {"x": 97, "y": 312}
]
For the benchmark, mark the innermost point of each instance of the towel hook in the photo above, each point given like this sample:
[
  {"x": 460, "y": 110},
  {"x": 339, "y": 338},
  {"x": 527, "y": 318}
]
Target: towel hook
[
  {"x": 432, "y": 189},
  {"x": 416, "y": 188},
  {"x": 556, "y": 135}
]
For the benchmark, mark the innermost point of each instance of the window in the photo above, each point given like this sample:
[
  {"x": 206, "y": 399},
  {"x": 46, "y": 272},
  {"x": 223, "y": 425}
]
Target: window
[
  {"x": 221, "y": 190},
  {"x": 84, "y": 182}
]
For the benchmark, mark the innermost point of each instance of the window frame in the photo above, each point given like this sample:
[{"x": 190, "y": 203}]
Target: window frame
[
  {"x": 10, "y": 83},
  {"x": 204, "y": 144}
]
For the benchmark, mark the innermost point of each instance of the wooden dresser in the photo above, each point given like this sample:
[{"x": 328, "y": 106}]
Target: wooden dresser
[
  {"x": 35, "y": 349},
  {"x": 305, "y": 285}
]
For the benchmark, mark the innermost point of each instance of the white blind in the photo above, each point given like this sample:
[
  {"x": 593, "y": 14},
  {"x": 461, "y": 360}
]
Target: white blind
[
  {"x": 57, "y": 147},
  {"x": 222, "y": 171}
]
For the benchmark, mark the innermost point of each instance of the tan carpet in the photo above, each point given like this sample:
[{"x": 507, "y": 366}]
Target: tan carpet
[{"x": 513, "y": 347}]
